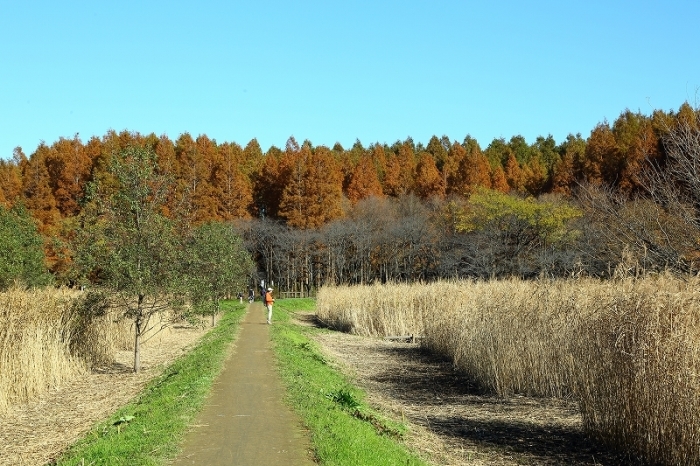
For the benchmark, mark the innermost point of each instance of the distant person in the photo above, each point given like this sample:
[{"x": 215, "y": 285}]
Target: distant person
[
  {"x": 240, "y": 297},
  {"x": 251, "y": 295},
  {"x": 269, "y": 301}
]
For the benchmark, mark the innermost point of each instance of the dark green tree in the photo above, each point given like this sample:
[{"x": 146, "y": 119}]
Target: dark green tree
[
  {"x": 128, "y": 247},
  {"x": 217, "y": 266},
  {"x": 21, "y": 249}
]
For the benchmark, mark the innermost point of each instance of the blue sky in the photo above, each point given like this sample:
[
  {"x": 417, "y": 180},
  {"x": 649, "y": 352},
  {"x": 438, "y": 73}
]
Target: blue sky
[{"x": 377, "y": 71}]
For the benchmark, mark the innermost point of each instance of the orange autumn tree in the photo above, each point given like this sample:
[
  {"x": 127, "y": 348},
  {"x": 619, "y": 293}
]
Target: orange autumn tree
[
  {"x": 429, "y": 182},
  {"x": 514, "y": 174},
  {"x": 637, "y": 142},
  {"x": 569, "y": 169},
  {"x": 475, "y": 170},
  {"x": 70, "y": 168},
  {"x": 267, "y": 187},
  {"x": 400, "y": 175},
  {"x": 312, "y": 193},
  {"x": 601, "y": 155},
  {"x": 11, "y": 178},
  {"x": 194, "y": 194},
  {"x": 455, "y": 181},
  {"x": 364, "y": 181},
  {"x": 498, "y": 180},
  {"x": 233, "y": 187},
  {"x": 37, "y": 192}
]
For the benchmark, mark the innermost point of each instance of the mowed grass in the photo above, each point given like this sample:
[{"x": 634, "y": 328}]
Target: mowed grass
[
  {"x": 344, "y": 430},
  {"x": 148, "y": 431}
]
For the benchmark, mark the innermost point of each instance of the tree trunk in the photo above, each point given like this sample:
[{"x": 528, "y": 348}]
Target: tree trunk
[
  {"x": 138, "y": 324},
  {"x": 137, "y": 345}
]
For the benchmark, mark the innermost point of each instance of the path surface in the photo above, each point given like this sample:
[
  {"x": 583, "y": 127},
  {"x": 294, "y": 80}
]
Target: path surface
[{"x": 244, "y": 421}]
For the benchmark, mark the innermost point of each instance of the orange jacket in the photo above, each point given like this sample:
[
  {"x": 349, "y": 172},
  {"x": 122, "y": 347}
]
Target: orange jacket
[{"x": 268, "y": 298}]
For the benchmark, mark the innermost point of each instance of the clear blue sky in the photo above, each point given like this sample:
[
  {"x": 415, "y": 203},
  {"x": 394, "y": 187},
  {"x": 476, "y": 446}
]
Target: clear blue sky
[{"x": 327, "y": 71}]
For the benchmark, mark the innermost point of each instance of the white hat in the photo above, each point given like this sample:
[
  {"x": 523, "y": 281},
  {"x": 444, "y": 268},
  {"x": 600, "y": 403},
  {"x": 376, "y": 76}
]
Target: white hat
[{"x": 269, "y": 289}]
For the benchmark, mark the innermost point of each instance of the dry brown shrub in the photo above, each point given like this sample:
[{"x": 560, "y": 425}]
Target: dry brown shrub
[{"x": 628, "y": 349}]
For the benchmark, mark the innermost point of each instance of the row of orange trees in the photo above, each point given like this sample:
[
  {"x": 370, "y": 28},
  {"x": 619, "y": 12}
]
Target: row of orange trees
[{"x": 307, "y": 186}]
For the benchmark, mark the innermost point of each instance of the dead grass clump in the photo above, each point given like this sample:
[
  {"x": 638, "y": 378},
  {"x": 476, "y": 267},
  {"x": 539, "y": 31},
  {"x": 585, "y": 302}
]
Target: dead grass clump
[
  {"x": 34, "y": 343},
  {"x": 372, "y": 310},
  {"x": 629, "y": 350},
  {"x": 48, "y": 336}
]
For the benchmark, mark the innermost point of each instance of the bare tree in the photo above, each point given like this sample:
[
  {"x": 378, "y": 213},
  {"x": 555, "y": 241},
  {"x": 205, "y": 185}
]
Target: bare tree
[{"x": 659, "y": 227}]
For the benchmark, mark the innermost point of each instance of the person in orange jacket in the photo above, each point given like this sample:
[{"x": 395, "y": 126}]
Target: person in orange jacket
[{"x": 269, "y": 301}]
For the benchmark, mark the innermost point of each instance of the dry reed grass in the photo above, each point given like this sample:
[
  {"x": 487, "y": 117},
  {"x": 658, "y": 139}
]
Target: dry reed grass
[
  {"x": 627, "y": 349},
  {"x": 49, "y": 336}
]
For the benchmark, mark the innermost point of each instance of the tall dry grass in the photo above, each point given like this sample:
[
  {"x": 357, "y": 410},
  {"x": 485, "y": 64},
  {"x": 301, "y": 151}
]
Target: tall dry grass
[
  {"x": 47, "y": 336},
  {"x": 627, "y": 349}
]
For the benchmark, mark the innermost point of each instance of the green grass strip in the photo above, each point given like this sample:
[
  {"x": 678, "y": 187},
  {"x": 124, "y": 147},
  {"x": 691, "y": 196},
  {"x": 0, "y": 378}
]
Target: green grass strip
[
  {"x": 148, "y": 430},
  {"x": 344, "y": 430}
]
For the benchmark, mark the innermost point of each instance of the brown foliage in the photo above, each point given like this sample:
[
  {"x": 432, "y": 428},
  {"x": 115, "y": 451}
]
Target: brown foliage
[{"x": 364, "y": 181}]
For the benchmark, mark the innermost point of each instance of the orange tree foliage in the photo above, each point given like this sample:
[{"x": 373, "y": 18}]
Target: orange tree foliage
[
  {"x": 70, "y": 168},
  {"x": 233, "y": 188},
  {"x": 498, "y": 179},
  {"x": 225, "y": 181},
  {"x": 474, "y": 169},
  {"x": 364, "y": 181},
  {"x": 400, "y": 176},
  {"x": 429, "y": 182},
  {"x": 451, "y": 169},
  {"x": 11, "y": 179},
  {"x": 312, "y": 192},
  {"x": 36, "y": 190}
]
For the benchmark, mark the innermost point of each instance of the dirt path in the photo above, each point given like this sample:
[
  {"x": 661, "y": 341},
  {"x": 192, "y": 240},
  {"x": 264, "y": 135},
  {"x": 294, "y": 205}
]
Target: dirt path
[{"x": 244, "y": 421}]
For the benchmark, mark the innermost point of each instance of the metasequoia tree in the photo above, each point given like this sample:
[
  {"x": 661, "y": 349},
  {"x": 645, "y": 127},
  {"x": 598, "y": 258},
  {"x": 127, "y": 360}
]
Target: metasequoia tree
[
  {"x": 456, "y": 183},
  {"x": 429, "y": 181},
  {"x": 36, "y": 190},
  {"x": 400, "y": 177},
  {"x": 498, "y": 180},
  {"x": 235, "y": 194},
  {"x": 70, "y": 168},
  {"x": 364, "y": 181},
  {"x": 313, "y": 191},
  {"x": 11, "y": 179}
]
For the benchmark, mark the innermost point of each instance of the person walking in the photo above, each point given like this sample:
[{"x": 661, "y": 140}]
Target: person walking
[{"x": 269, "y": 300}]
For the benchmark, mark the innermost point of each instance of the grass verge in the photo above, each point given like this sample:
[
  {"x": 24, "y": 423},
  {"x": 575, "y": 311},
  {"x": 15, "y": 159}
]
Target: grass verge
[
  {"x": 344, "y": 430},
  {"x": 148, "y": 430}
]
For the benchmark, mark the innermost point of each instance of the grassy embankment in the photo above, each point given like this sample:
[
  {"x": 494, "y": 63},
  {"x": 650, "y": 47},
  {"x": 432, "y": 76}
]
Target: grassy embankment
[
  {"x": 344, "y": 430},
  {"x": 149, "y": 430},
  {"x": 628, "y": 350}
]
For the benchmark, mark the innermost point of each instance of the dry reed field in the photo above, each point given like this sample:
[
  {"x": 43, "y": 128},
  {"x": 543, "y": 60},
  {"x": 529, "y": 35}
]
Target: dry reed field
[
  {"x": 42, "y": 344},
  {"x": 627, "y": 349},
  {"x": 46, "y": 339},
  {"x": 61, "y": 371}
]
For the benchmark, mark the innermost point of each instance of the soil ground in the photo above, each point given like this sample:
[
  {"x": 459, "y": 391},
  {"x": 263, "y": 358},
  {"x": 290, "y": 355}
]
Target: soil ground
[
  {"x": 244, "y": 421},
  {"x": 450, "y": 421}
]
